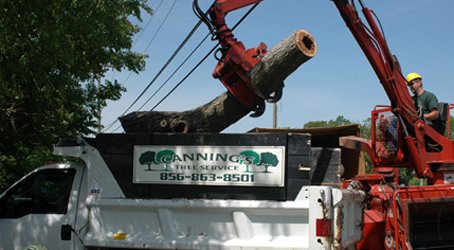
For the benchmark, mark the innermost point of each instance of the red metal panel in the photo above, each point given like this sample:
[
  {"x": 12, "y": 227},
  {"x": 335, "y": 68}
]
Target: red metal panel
[{"x": 373, "y": 231}]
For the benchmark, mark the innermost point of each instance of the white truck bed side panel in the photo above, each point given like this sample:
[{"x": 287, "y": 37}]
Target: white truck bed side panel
[{"x": 198, "y": 224}]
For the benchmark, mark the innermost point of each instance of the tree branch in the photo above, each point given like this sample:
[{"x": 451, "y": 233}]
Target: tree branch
[{"x": 268, "y": 76}]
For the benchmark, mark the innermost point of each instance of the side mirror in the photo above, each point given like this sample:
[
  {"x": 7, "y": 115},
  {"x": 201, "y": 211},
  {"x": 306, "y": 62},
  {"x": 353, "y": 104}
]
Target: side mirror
[
  {"x": 65, "y": 233},
  {"x": 2, "y": 208}
]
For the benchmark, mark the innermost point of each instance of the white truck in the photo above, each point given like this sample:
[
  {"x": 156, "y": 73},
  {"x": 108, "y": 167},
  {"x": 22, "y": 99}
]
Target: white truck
[{"x": 207, "y": 195}]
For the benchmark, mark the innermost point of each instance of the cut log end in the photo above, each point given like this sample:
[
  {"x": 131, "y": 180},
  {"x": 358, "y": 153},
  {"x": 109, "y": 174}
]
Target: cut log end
[{"x": 305, "y": 43}]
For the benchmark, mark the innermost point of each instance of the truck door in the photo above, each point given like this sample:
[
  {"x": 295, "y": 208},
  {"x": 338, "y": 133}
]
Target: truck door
[{"x": 38, "y": 210}]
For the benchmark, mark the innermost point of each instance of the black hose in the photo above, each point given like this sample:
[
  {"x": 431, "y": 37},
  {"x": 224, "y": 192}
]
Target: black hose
[{"x": 203, "y": 17}]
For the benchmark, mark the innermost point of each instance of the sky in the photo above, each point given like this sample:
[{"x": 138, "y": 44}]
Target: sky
[{"x": 337, "y": 81}]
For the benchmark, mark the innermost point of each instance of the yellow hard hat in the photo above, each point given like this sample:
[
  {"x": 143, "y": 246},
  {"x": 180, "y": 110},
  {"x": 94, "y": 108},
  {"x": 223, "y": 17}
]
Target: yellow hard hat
[{"x": 413, "y": 76}]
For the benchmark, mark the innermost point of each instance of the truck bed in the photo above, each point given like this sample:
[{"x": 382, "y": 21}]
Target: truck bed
[
  {"x": 304, "y": 165},
  {"x": 226, "y": 224}
]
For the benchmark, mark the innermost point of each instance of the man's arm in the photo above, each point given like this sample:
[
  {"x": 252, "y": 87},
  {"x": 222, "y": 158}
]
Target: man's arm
[
  {"x": 432, "y": 115},
  {"x": 432, "y": 104}
]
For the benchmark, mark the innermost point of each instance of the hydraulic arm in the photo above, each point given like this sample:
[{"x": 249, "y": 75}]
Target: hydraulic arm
[{"x": 236, "y": 62}]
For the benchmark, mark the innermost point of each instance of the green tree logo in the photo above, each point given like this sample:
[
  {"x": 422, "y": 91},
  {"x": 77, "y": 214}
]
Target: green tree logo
[
  {"x": 165, "y": 157},
  {"x": 249, "y": 158},
  {"x": 268, "y": 159},
  {"x": 148, "y": 158}
]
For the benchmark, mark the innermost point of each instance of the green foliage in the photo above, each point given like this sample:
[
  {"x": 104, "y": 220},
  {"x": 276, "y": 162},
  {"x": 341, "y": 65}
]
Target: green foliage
[
  {"x": 366, "y": 129},
  {"x": 366, "y": 132},
  {"x": 52, "y": 54},
  {"x": 339, "y": 121},
  {"x": 408, "y": 178}
]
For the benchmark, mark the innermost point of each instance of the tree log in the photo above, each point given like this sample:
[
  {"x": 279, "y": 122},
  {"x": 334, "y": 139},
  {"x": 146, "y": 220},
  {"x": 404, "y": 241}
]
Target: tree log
[{"x": 268, "y": 76}]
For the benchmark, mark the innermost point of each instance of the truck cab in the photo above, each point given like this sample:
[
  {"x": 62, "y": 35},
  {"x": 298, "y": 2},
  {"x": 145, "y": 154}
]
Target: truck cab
[{"x": 42, "y": 205}]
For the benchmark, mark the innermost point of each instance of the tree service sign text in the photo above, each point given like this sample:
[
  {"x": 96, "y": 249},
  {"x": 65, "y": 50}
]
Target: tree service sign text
[{"x": 210, "y": 165}]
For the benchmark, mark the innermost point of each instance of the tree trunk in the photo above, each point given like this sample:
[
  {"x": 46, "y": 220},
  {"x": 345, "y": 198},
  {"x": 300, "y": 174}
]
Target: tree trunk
[{"x": 268, "y": 76}]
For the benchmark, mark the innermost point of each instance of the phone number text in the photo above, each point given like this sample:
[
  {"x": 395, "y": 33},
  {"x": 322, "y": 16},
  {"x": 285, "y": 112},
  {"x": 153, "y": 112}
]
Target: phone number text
[{"x": 207, "y": 177}]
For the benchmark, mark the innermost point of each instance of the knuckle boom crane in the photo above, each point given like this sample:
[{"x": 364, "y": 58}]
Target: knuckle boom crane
[{"x": 395, "y": 217}]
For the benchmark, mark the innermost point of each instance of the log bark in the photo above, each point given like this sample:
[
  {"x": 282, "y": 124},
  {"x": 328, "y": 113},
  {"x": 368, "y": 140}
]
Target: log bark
[{"x": 268, "y": 76}]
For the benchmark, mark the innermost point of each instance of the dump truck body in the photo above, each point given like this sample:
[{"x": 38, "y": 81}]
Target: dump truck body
[{"x": 91, "y": 205}]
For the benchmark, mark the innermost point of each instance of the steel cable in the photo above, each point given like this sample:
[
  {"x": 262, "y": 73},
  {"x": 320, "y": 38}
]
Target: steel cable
[
  {"x": 160, "y": 71},
  {"x": 204, "y": 58}
]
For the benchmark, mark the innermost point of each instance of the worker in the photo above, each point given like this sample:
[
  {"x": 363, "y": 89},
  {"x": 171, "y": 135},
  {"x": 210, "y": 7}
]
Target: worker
[{"x": 426, "y": 103}]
